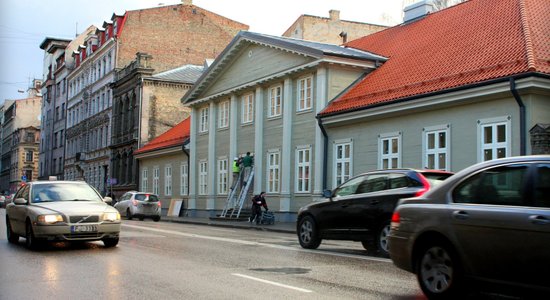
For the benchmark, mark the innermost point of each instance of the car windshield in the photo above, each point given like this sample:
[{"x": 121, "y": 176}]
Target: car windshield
[
  {"x": 50, "y": 192},
  {"x": 436, "y": 178}
]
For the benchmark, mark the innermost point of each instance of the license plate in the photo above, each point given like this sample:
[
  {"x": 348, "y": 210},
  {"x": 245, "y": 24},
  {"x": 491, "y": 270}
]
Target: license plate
[{"x": 83, "y": 228}]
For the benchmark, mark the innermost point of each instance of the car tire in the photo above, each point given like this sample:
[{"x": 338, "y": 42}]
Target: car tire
[
  {"x": 156, "y": 218},
  {"x": 12, "y": 236},
  {"x": 129, "y": 215},
  {"x": 110, "y": 242},
  {"x": 308, "y": 236},
  {"x": 30, "y": 240},
  {"x": 382, "y": 240},
  {"x": 438, "y": 271}
]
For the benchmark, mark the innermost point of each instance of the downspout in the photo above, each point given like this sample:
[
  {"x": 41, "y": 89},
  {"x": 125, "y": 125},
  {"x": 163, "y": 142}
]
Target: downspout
[
  {"x": 522, "y": 125},
  {"x": 188, "y": 158},
  {"x": 325, "y": 151}
]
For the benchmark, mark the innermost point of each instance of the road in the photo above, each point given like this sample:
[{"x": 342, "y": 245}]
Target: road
[{"x": 183, "y": 261}]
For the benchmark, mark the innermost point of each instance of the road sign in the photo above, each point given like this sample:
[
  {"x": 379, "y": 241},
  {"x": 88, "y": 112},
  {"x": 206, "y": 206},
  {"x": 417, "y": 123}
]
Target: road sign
[{"x": 24, "y": 178}]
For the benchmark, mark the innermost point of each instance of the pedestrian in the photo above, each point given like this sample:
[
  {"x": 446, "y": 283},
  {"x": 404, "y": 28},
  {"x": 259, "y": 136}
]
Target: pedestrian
[
  {"x": 248, "y": 162},
  {"x": 236, "y": 171},
  {"x": 257, "y": 202}
]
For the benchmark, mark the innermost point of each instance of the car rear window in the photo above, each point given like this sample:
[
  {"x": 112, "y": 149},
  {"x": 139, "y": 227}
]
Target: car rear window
[
  {"x": 435, "y": 178},
  {"x": 147, "y": 197}
]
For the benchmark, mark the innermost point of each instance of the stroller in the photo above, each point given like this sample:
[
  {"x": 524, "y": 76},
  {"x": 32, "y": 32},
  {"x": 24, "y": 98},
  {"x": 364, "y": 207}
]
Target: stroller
[{"x": 267, "y": 218}]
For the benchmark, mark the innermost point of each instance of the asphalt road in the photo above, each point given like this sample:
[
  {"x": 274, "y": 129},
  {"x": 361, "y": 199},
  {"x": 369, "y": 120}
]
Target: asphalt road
[{"x": 183, "y": 261}]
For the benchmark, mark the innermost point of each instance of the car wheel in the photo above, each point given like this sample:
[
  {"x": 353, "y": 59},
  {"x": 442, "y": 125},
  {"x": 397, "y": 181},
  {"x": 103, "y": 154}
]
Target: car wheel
[
  {"x": 129, "y": 215},
  {"x": 382, "y": 240},
  {"x": 156, "y": 218},
  {"x": 110, "y": 242},
  {"x": 30, "y": 241},
  {"x": 307, "y": 233},
  {"x": 12, "y": 236},
  {"x": 438, "y": 272}
]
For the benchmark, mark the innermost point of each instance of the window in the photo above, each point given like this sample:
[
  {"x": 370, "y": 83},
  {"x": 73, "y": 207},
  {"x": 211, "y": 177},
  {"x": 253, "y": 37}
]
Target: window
[
  {"x": 223, "y": 114},
  {"x": 184, "y": 175},
  {"x": 275, "y": 100},
  {"x": 503, "y": 185},
  {"x": 342, "y": 160},
  {"x": 436, "y": 149},
  {"x": 168, "y": 180},
  {"x": 222, "y": 176},
  {"x": 494, "y": 137},
  {"x": 542, "y": 186},
  {"x": 203, "y": 119},
  {"x": 29, "y": 155},
  {"x": 156, "y": 180},
  {"x": 273, "y": 171},
  {"x": 305, "y": 92},
  {"x": 203, "y": 180},
  {"x": 248, "y": 108},
  {"x": 303, "y": 157},
  {"x": 374, "y": 183},
  {"x": 389, "y": 151},
  {"x": 350, "y": 187},
  {"x": 144, "y": 180}
]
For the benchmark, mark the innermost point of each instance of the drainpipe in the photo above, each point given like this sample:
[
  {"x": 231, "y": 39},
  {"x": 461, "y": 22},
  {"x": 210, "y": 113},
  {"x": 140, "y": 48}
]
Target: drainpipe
[
  {"x": 522, "y": 125},
  {"x": 188, "y": 164},
  {"x": 325, "y": 151}
]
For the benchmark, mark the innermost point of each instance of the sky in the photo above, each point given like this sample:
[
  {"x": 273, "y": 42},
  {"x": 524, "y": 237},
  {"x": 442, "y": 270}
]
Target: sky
[{"x": 24, "y": 24}]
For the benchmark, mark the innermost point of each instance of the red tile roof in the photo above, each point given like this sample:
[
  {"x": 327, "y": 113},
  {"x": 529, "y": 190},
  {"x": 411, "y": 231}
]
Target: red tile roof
[
  {"x": 171, "y": 138},
  {"x": 472, "y": 42}
]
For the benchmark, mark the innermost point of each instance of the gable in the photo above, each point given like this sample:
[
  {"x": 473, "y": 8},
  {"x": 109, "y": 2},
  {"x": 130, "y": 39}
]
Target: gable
[{"x": 252, "y": 63}]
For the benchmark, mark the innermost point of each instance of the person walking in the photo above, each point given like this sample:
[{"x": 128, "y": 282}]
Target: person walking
[{"x": 257, "y": 202}]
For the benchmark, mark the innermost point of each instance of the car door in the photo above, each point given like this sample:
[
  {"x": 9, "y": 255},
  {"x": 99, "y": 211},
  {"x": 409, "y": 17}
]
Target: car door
[
  {"x": 18, "y": 212},
  {"x": 496, "y": 226}
]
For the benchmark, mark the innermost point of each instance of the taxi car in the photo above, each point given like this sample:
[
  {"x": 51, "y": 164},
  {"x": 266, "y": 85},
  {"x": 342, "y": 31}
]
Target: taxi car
[{"x": 61, "y": 211}]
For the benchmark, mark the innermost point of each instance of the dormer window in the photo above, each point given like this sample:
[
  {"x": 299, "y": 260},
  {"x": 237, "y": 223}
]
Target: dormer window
[
  {"x": 115, "y": 31},
  {"x": 106, "y": 33}
]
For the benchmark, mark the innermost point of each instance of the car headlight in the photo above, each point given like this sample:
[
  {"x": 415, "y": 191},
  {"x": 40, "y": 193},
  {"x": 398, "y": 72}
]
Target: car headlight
[
  {"x": 111, "y": 216},
  {"x": 50, "y": 219}
]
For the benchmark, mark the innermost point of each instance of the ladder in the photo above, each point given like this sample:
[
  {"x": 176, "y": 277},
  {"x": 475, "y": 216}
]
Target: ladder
[{"x": 236, "y": 206}]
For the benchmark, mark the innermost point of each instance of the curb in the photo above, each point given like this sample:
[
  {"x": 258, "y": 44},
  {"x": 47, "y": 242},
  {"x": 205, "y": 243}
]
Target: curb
[{"x": 230, "y": 225}]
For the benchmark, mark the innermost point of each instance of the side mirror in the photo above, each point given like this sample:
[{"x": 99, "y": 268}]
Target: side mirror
[
  {"x": 327, "y": 193},
  {"x": 20, "y": 201},
  {"x": 108, "y": 200}
]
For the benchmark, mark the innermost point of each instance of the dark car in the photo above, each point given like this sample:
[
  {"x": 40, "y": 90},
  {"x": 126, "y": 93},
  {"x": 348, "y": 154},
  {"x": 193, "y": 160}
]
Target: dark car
[
  {"x": 361, "y": 208},
  {"x": 490, "y": 224}
]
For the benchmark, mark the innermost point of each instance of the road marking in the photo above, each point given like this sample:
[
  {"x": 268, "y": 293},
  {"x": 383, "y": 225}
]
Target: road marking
[
  {"x": 249, "y": 243},
  {"x": 273, "y": 283}
]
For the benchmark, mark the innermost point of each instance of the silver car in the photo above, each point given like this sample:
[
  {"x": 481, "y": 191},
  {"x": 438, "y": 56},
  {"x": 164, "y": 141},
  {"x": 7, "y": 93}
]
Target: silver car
[
  {"x": 140, "y": 205},
  {"x": 61, "y": 211},
  {"x": 489, "y": 223}
]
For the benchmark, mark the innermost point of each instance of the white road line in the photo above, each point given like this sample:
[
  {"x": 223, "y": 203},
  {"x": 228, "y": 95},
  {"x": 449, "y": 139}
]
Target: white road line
[
  {"x": 249, "y": 243},
  {"x": 273, "y": 283}
]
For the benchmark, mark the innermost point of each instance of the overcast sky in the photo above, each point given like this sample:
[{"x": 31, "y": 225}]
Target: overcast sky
[{"x": 25, "y": 23}]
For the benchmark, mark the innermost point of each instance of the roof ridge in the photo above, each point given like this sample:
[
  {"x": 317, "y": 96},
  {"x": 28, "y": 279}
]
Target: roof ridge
[{"x": 527, "y": 35}]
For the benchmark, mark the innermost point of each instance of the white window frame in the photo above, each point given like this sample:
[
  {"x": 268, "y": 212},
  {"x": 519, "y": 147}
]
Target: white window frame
[
  {"x": 303, "y": 170},
  {"x": 156, "y": 174},
  {"x": 203, "y": 177},
  {"x": 304, "y": 97},
  {"x": 168, "y": 180},
  {"x": 203, "y": 119},
  {"x": 184, "y": 175},
  {"x": 341, "y": 162},
  {"x": 275, "y": 101},
  {"x": 247, "y": 101},
  {"x": 273, "y": 171},
  {"x": 223, "y": 114},
  {"x": 223, "y": 167},
  {"x": 494, "y": 145},
  {"x": 144, "y": 179},
  {"x": 437, "y": 150},
  {"x": 382, "y": 157}
]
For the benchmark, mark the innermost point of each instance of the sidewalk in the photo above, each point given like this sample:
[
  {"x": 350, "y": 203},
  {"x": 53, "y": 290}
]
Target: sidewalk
[{"x": 286, "y": 227}]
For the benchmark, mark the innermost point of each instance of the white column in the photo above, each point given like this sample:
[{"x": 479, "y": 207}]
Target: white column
[
  {"x": 320, "y": 103},
  {"x": 212, "y": 162},
  {"x": 286, "y": 155},
  {"x": 233, "y": 125},
  {"x": 258, "y": 140},
  {"x": 192, "y": 199}
]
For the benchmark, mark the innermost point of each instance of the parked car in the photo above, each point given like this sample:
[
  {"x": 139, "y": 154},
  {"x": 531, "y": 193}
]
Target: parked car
[
  {"x": 61, "y": 211},
  {"x": 489, "y": 223},
  {"x": 361, "y": 208},
  {"x": 140, "y": 205}
]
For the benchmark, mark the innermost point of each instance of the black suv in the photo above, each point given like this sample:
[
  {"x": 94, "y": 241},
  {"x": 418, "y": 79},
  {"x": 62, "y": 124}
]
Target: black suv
[{"x": 361, "y": 208}]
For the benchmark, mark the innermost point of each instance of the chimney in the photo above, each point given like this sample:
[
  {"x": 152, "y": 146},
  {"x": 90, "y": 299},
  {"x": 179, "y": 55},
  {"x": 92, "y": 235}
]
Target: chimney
[
  {"x": 334, "y": 14},
  {"x": 187, "y": 2},
  {"x": 418, "y": 10}
]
